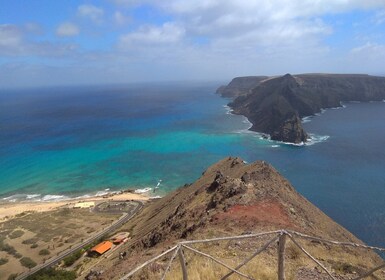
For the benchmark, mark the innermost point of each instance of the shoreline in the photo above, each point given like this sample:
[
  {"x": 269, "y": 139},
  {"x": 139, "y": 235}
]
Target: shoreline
[
  {"x": 10, "y": 209},
  {"x": 313, "y": 138}
]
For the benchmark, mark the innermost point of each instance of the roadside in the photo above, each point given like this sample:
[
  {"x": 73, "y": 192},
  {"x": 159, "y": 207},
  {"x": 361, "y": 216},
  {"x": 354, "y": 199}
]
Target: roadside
[{"x": 135, "y": 207}]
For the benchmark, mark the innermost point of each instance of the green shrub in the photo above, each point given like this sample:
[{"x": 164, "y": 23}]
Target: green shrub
[
  {"x": 16, "y": 234},
  {"x": 33, "y": 246},
  {"x": 3, "y": 261},
  {"x": 9, "y": 249},
  {"x": 53, "y": 274},
  {"x": 30, "y": 241},
  {"x": 44, "y": 252},
  {"x": 12, "y": 276},
  {"x": 27, "y": 262},
  {"x": 71, "y": 259}
]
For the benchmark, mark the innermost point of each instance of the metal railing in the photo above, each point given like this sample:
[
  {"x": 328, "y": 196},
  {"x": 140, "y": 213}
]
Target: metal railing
[{"x": 280, "y": 235}]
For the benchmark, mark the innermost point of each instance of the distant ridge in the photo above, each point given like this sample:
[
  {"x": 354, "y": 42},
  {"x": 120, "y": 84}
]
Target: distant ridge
[{"x": 276, "y": 105}]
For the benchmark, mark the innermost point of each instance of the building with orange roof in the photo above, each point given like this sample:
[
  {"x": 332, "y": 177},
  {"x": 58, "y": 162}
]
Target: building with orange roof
[{"x": 101, "y": 248}]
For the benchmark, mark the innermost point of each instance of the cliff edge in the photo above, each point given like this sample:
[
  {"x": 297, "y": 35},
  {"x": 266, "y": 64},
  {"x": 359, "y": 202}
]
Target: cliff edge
[
  {"x": 276, "y": 105},
  {"x": 233, "y": 198}
]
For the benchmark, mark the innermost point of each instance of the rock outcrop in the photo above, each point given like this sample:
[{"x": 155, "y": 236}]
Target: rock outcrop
[
  {"x": 240, "y": 86},
  {"x": 276, "y": 105},
  {"x": 232, "y": 198}
]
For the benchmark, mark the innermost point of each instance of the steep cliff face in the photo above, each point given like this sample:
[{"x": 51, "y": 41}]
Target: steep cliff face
[
  {"x": 230, "y": 198},
  {"x": 240, "y": 86},
  {"x": 270, "y": 107},
  {"x": 276, "y": 105}
]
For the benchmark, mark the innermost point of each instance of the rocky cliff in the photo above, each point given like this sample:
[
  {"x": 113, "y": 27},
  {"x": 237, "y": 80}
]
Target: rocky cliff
[
  {"x": 276, "y": 105},
  {"x": 233, "y": 198},
  {"x": 240, "y": 86}
]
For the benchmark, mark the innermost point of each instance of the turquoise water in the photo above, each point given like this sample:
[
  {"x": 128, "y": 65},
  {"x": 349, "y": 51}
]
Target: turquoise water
[{"x": 69, "y": 142}]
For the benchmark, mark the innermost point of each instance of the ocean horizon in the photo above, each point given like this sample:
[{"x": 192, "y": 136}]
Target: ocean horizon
[{"x": 65, "y": 142}]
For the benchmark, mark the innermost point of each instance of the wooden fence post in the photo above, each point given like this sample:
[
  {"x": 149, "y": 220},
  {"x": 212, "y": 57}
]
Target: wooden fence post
[
  {"x": 281, "y": 256},
  {"x": 182, "y": 261}
]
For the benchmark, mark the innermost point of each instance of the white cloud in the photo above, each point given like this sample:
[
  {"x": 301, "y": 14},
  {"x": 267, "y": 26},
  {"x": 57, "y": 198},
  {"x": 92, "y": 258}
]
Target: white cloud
[
  {"x": 379, "y": 17},
  {"x": 207, "y": 39},
  {"x": 120, "y": 18},
  {"x": 91, "y": 12},
  {"x": 17, "y": 41},
  {"x": 33, "y": 28},
  {"x": 369, "y": 49},
  {"x": 130, "y": 3},
  {"x": 168, "y": 33},
  {"x": 367, "y": 58},
  {"x": 10, "y": 36},
  {"x": 67, "y": 29}
]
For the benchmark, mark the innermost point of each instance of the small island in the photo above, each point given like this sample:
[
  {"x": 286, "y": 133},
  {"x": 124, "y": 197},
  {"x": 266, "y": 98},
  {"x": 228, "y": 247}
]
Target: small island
[{"x": 276, "y": 105}]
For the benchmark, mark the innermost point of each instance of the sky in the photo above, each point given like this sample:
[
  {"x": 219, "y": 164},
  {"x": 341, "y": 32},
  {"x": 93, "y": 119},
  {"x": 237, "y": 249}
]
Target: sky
[{"x": 46, "y": 42}]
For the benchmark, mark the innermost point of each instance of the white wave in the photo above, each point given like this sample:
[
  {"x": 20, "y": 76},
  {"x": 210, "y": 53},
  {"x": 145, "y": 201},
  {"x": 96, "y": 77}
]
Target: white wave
[
  {"x": 154, "y": 197},
  {"x": 83, "y": 196},
  {"x": 306, "y": 119},
  {"x": 14, "y": 197},
  {"x": 229, "y": 111},
  {"x": 54, "y": 197},
  {"x": 101, "y": 193},
  {"x": 314, "y": 139},
  {"x": 22, "y": 197},
  {"x": 32, "y": 196},
  {"x": 246, "y": 121},
  {"x": 274, "y": 146},
  {"x": 142, "y": 190},
  {"x": 336, "y": 108},
  {"x": 300, "y": 144}
]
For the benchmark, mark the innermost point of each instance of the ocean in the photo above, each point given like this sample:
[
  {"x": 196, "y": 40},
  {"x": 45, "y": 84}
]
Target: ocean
[{"x": 65, "y": 142}]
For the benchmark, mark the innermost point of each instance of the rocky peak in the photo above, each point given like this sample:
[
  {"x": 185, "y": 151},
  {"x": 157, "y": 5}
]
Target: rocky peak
[{"x": 230, "y": 198}]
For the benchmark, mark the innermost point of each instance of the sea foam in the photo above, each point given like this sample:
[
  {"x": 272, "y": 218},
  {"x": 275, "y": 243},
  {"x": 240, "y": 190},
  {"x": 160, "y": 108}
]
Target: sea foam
[{"x": 144, "y": 190}]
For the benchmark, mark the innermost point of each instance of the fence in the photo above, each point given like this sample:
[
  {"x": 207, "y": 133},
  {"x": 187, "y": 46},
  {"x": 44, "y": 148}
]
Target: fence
[{"x": 281, "y": 236}]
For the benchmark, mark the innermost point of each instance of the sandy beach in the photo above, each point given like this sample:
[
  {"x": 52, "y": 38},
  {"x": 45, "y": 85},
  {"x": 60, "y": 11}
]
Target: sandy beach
[{"x": 10, "y": 209}]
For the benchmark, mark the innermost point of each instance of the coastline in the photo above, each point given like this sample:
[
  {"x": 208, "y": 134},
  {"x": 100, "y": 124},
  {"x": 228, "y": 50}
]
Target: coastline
[
  {"x": 9, "y": 209},
  {"x": 313, "y": 138}
]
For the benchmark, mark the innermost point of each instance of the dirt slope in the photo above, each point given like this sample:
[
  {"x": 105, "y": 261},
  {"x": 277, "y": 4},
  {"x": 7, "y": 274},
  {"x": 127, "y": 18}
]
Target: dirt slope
[{"x": 231, "y": 198}]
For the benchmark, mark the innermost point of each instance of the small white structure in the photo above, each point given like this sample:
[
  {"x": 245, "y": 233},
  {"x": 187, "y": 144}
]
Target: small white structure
[{"x": 85, "y": 204}]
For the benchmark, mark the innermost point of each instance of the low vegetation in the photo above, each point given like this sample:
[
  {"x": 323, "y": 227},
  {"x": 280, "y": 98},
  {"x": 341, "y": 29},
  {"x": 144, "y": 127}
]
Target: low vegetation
[
  {"x": 53, "y": 274},
  {"x": 39, "y": 235},
  {"x": 16, "y": 234},
  {"x": 3, "y": 261},
  {"x": 30, "y": 240},
  {"x": 9, "y": 249},
  {"x": 12, "y": 276},
  {"x": 44, "y": 252},
  {"x": 71, "y": 259},
  {"x": 27, "y": 262}
]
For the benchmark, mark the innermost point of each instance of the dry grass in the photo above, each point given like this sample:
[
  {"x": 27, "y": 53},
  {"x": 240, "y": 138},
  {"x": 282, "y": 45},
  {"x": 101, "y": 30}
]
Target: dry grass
[
  {"x": 32, "y": 233},
  {"x": 341, "y": 262}
]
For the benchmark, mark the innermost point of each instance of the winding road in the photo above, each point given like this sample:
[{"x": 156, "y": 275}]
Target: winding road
[{"x": 136, "y": 207}]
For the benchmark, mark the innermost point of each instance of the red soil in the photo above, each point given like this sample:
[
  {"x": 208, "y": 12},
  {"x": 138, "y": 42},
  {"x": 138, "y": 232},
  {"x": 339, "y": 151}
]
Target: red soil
[{"x": 269, "y": 212}]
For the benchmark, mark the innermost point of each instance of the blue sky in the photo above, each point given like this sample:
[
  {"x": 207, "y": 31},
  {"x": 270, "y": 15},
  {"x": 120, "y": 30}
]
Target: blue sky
[{"x": 45, "y": 42}]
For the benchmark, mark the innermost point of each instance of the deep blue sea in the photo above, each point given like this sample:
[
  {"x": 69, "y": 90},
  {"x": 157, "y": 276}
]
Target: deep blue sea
[{"x": 74, "y": 141}]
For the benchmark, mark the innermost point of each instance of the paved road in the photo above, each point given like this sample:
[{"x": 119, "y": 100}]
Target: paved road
[{"x": 137, "y": 205}]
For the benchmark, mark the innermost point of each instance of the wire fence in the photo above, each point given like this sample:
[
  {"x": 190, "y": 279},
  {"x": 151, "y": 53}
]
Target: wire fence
[{"x": 276, "y": 237}]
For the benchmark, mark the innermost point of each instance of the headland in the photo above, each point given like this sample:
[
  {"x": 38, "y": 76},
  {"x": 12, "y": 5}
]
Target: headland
[{"x": 276, "y": 105}]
